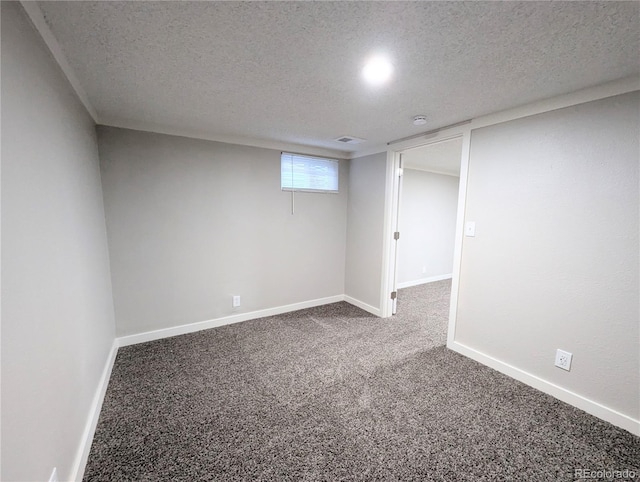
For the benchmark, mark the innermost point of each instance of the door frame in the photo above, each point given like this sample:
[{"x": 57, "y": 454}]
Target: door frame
[{"x": 392, "y": 206}]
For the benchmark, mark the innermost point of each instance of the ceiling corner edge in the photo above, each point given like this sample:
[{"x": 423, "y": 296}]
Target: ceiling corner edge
[
  {"x": 36, "y": 16},
  {"x": 227, "y": 139},
  {"x": 375, "y": 149}
]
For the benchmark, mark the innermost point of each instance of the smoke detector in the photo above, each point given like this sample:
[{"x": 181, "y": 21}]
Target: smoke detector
[
  {"x": 349, "y": 140},
  {"x": 419, "y": 120}
]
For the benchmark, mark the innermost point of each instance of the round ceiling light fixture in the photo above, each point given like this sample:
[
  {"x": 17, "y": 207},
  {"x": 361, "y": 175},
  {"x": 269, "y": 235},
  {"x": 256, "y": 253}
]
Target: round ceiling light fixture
[
  {"x": 419, "y": 120},
  {"x": 377, "y": 71}
]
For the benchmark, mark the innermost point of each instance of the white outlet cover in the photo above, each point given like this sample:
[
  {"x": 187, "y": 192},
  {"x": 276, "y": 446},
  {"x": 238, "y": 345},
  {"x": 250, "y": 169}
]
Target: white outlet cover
[
  {"x": 236, "y": 302},
  {"x": 470, "y": 229},
  {"x": 563, "y": 359}
]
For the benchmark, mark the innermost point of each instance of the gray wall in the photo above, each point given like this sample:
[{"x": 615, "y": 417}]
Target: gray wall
[
  {"x": 57, "y": 313},
  {"x": 427, "y": 226},
  {"x": 367, "y": 178},
  {"x": 191, "y": 223},
  {"x": 554, "y": 263}
]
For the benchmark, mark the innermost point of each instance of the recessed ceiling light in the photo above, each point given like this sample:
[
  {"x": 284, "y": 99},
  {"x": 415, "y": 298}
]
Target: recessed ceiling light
[
  {"x": 377, "y": 71},
  {"x": 419, "y": 120}
]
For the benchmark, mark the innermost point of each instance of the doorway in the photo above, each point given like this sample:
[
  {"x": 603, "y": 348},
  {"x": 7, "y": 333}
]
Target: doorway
[{"x": 427, "y": 180}]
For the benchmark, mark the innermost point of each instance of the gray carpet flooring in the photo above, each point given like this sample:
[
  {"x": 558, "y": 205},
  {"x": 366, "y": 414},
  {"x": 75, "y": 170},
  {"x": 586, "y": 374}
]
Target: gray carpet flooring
[{"x": 334, "y": 393}]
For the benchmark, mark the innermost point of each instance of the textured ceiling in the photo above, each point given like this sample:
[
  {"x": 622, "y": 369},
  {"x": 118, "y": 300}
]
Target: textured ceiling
[
  {"x": 441, "y": 157},
  {"x": 290, "y": 71}
]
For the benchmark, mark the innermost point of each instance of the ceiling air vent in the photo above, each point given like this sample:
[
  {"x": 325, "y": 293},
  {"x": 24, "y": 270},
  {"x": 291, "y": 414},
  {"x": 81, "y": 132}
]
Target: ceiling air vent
[{"x": 349, "y": 140}]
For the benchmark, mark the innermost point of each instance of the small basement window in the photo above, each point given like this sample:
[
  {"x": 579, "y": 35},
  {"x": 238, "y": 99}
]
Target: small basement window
[{"x": 306, "y": 173}]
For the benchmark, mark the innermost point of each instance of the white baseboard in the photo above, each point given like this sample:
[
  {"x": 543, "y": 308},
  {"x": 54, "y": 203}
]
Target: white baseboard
[
  {"x": 227, "y": 320},
  {"x": 594, "y": 408},
  {"x": 82, "y": 455},
  {"x": 362, "y": 305},
  {"x": 422, "y": 281}
]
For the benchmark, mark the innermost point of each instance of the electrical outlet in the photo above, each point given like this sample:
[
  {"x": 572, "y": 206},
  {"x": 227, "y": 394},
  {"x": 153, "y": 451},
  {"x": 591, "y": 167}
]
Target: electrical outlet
[
  {"x": 563, "y": 359},
  {"x": 424, "y": 269},
  {"x": 54, "y": 475},
  {"x": 470, "y": 229},
  {"x": 236, "y": 302}
]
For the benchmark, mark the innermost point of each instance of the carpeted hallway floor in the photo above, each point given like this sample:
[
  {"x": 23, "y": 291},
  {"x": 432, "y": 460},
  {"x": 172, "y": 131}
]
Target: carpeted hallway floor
[{"x": 333, "y": 393}]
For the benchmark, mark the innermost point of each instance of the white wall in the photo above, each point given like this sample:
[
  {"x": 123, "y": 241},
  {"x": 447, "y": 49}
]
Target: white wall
[
  {"x": 367, "y": 178},
  {"x": 427, "y": 227},
  {"x": 57, "y": 312},
  {"x": 191, "y": 223},
  {"x": 554, "y": 263}
]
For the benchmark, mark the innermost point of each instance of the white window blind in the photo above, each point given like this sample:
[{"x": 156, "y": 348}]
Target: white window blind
[{"x": 306, "y": 173}]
